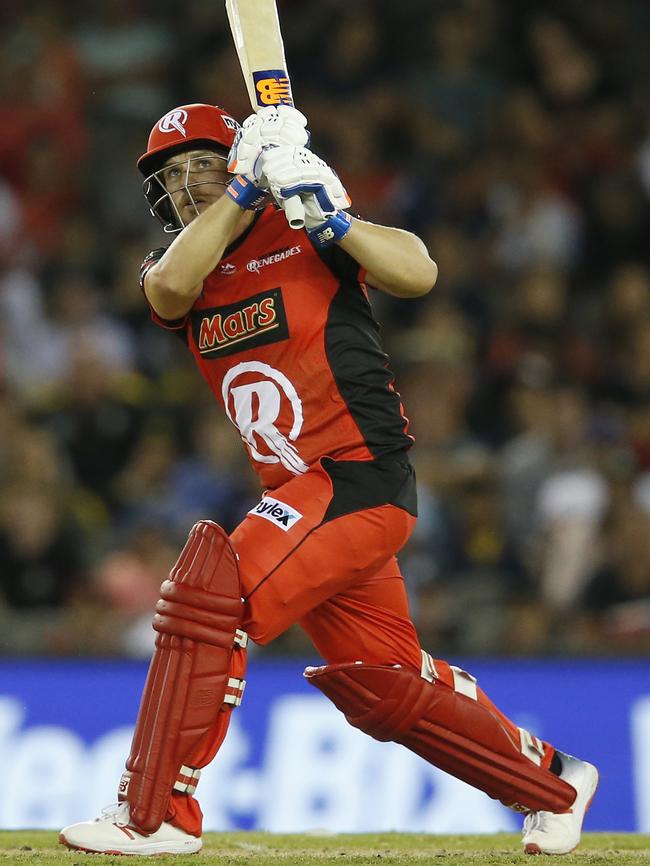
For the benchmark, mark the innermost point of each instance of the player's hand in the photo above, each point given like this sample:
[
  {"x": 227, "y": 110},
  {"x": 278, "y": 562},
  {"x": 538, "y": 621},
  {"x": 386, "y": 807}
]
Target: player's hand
[
  {"x": 270, "y": 127},
  {"x": 294, "y": 172},
  {"x": 324, "y": 229},
  {"x": 248, "y": 189}
]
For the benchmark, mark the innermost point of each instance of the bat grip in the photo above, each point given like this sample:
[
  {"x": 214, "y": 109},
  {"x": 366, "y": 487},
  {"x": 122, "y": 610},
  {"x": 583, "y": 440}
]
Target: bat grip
[{"x": 295, "y": 212}]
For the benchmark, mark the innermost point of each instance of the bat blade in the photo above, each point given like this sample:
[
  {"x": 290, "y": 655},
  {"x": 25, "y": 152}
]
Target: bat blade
[{"x": 258, "y": 39}]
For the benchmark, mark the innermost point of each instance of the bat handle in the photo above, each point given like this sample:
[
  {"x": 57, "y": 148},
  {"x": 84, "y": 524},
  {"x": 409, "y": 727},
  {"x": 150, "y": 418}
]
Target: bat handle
[{"x": 295, "y": 211}]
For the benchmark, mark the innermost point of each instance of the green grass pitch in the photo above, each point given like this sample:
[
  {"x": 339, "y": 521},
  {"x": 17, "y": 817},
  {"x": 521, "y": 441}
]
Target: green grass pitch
[{"x": 36, "y": 848}]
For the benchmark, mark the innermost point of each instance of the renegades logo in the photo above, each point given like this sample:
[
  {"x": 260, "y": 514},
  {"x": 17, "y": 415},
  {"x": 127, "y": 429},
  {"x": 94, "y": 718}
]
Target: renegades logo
[{"x": 255, "y": 321}]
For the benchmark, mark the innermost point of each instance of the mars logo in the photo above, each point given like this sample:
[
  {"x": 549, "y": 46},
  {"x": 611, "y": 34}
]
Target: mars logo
[
  {"x": 255, "y": 396},
  {"x": 174, "y": 120},
  {"x": 255, "y": 321}
]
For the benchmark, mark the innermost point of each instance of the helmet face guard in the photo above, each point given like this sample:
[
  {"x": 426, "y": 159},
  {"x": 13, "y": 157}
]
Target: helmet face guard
[
  {"x": 186, "y": 128},
  {"x": 186, "y": 179}
]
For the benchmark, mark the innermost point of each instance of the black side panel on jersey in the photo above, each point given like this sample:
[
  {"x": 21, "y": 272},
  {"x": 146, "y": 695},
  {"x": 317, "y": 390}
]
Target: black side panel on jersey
[
  {"x": 361, "y": 484},
  {"x": 358, "y": 362}
]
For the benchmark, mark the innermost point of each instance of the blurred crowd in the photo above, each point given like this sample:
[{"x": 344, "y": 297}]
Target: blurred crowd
[{"x": 513, "y": 137}]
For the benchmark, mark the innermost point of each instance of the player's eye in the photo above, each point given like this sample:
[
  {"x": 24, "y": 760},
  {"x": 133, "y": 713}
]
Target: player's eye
[{"x": 172, "y": 173}]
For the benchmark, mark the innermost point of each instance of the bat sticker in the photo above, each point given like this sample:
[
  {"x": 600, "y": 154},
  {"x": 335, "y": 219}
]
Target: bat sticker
[{"x": 272, "y": 87}]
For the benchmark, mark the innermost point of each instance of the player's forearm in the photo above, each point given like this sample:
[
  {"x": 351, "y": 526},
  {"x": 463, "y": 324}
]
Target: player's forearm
[
  {"x": 197, "y": 250},
  {"x": 396, "y": 261}
]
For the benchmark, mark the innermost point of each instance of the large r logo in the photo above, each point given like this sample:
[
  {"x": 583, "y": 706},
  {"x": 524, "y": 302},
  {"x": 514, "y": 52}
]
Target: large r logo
[
  {"x": 254, "y": 407},
  {"x": 174, "y": 120}
]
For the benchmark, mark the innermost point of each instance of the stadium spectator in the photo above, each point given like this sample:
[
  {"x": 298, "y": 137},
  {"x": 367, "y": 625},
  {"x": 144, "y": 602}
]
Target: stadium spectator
[
  {"x": 39, "y": 549},
  {"x": 523, "y": 159},
  {"x": 126, "y": 583}
]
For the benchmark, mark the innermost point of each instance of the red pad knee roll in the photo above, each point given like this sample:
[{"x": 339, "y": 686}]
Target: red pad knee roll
[
  {"x": 196, "y": 619},
  {"x": 449, "y": 729}
]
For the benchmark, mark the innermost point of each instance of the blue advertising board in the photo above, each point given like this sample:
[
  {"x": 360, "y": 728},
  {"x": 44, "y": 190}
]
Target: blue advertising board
[{"x": 291, "y": 763}]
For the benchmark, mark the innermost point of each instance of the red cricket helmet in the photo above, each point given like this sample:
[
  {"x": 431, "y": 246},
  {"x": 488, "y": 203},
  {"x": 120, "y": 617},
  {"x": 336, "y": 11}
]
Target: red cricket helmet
[
  {"x": 184, "y": 127},
  {"x": 187, "y": 127}
]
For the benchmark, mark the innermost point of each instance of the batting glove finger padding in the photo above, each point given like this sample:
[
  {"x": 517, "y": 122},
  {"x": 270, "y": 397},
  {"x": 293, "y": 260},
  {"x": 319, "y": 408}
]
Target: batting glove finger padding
[
  {"x": 270, "y": 127},
  {"x": 246, "y": 148},
  {"x": 294, "y": 171},
  {"x": 315, "y": 214},
  {"x": 295, "y": 174},
  {"x": 283, "y": 124}
]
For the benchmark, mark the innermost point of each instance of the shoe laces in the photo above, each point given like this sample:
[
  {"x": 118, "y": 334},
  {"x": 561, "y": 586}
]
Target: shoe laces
[
  {"x": 533, "y": 821},
  {"x": 116, "y": 813}
]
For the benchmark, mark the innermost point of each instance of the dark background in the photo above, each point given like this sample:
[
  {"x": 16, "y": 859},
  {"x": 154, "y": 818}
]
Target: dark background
[{"x": 513, "y": 137}]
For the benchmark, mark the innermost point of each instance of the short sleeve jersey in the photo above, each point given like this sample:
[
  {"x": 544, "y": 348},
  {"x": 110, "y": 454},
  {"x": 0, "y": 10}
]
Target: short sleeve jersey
[{"x": 285, "y": 337}]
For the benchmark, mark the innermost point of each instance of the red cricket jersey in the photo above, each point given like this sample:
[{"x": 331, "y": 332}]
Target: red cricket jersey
[{"x": 285, "y": 337}]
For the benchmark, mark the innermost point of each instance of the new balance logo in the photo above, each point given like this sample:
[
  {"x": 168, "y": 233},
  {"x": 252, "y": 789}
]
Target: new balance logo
[
  {"x": 283, "y": 516},
  {"x": 272, "y": 87}
]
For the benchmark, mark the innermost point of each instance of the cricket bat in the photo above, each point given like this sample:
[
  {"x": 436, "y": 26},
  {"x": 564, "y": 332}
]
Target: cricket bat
[{"x": 256, "y": 32}]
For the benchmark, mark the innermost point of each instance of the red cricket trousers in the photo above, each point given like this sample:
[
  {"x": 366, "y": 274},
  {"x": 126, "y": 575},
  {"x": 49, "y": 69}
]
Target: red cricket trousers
[{"x": 337, "y": 577}]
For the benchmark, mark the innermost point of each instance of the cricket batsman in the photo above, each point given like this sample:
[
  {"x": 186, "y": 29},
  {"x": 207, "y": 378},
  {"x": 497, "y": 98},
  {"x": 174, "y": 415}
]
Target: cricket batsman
[{"x": 280, "y": 327}]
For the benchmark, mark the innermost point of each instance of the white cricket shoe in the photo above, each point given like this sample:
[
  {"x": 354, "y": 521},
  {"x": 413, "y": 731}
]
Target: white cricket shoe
[
  {"x": 111, "y": 833},
  {"x": 559, "y": 833}
]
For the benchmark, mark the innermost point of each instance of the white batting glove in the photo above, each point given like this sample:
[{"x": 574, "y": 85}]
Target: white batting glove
[
  {"x": 314, "y": 214},
  {"x": 294, "y": 173},
  {"x": 270, "y": 127},
  {"x": 324, "y": 229}
]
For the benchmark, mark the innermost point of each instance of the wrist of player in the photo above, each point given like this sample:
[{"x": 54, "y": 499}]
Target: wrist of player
[
  {"x": 329, "y": 231},
  {"x": 325, "y": 228},
  {"x": 246, "y": 193}
]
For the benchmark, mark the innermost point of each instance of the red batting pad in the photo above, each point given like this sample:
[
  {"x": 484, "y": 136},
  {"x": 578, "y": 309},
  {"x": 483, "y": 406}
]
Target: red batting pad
[
  {"x": 196, "y": 618},
  {"x": 448, "y": 729}
]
